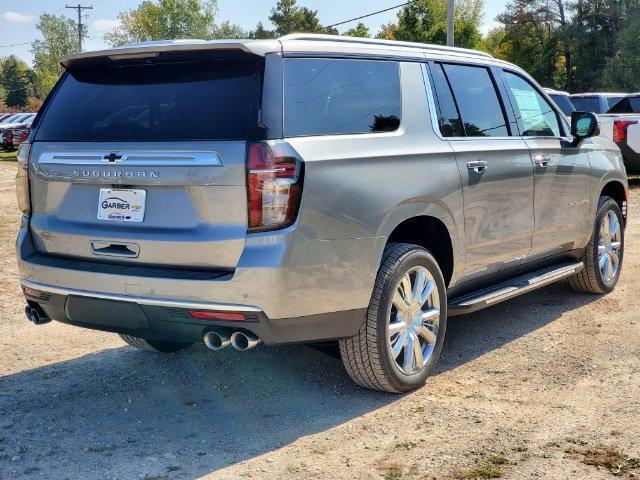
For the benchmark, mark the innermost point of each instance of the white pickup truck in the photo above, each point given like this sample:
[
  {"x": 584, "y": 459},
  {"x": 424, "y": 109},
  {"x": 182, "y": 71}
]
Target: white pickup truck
[{"x": 621, "y": 123}]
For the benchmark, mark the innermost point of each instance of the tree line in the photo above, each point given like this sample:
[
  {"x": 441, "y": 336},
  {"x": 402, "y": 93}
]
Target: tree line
[{"x": 575, "y": 45}]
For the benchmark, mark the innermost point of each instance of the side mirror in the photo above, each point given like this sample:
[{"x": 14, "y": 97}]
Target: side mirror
[{"x": 584, "y": 125}]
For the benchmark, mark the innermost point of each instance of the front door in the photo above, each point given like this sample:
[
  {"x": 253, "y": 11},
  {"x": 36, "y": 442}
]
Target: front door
[{"x": 561, "y": 172}]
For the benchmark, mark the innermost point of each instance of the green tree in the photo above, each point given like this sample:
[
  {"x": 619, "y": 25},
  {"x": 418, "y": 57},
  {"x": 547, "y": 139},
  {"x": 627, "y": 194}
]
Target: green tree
[
  {"x": 387, "y": 31},
  {"x": 229, "y": 30},
  {"x": 533, "y": 39},
  {"x": 288, "y": 17},
  {"x": 59, "y": 38},
  {"x": 166, "y": 20},
  {"x": 425, "y": 21},
  {"x": 17, "y": 82},
  {"x": 622, "y": 72},
  {"x": 360, "y": 30}
]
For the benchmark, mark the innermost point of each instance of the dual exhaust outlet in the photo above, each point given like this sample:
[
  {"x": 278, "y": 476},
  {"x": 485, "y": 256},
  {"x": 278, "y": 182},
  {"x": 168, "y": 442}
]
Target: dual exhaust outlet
[{"x": 223, "y": 337}]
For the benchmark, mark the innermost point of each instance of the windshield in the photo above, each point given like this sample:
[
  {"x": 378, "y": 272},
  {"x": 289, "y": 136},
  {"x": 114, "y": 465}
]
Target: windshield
[
  {"x": 587, "y": 104},
  {"x": 564, "y": 103},
  {"x": 207, "y": 99}
]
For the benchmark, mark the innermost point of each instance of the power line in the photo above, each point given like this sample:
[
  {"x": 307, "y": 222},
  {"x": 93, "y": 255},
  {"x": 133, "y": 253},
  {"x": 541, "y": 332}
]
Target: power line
[
  {"x": 79, "y": 8},
  {"x": 367, "y": 15},
  {"x": 15, "y": 44}
]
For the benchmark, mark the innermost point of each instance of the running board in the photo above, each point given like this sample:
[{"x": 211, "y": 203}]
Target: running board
[{"x": 511, "y": 288}]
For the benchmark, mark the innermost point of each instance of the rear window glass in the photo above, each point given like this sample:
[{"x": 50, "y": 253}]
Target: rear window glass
[
  {"x": 587, "y": 104},
  {"x": 477, "y": 101},
  {"x": 325, "y": 97},
  {"x": 198, "y": 100}
]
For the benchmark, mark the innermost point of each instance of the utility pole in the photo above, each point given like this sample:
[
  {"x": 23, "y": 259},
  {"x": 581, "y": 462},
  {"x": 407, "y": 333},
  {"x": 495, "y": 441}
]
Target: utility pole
[
  {"x": 451, "y": 8},
  {"x": 79, "y": 8}
]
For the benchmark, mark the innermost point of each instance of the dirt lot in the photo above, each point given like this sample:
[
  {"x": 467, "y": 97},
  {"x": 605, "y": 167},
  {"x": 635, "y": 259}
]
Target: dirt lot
[{"x": 545, "y": 386}]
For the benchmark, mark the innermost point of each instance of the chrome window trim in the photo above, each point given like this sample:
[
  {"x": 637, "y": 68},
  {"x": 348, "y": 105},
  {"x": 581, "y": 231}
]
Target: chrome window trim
[{"x": 134, "y": 159}]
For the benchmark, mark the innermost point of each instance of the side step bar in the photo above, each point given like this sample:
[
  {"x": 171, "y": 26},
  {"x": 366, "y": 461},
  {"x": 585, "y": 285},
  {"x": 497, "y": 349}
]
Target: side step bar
[{"x": 511, "y": 288}]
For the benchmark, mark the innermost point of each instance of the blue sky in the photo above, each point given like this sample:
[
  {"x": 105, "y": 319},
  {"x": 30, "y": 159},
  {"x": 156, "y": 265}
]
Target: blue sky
[{"x": 18, "y": 17}]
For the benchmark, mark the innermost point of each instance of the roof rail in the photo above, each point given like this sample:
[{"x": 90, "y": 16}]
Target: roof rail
[{"x": 374, "y": 41}]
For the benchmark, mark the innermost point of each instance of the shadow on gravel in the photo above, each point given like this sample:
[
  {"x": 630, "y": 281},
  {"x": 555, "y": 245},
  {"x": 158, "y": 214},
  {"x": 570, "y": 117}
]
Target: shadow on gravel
[{"x": 121, "y": 413}]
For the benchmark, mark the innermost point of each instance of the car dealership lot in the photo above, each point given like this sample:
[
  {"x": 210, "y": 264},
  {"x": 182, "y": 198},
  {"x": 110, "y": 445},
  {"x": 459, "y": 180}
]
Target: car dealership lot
[{"x": 543, "y": 386}]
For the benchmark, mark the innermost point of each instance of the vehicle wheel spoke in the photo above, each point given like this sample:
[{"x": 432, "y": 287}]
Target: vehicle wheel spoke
[
  {"x": 408, "y": 355},
  {"x": 397, "y": 346},
  {"x": 602, "y": 249},
  {"x": 417, "y": 354},
  {"x": 614, "y": 225},
  {"x": 614, "y": 258},
  {"x": 399, "y": 302},
  {"x": 398, "y": 326},
  {"x": 405, "y": 285},
  {"x": 616, "y": 245},
  {"x": 428, "y": 335}
]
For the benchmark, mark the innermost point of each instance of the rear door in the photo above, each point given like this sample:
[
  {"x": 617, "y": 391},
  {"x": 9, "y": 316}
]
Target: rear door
[
  {"x": 496, "y": 169},
  {"x": 144, "y": 162},
  {"x": 562, "y": 186}
]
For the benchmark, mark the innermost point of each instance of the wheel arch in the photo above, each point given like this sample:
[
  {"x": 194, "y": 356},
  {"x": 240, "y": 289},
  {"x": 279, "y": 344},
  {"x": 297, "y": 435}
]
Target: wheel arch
[
  {"x": 432, "y": 226},
  {"x": 617, "y": 190}
]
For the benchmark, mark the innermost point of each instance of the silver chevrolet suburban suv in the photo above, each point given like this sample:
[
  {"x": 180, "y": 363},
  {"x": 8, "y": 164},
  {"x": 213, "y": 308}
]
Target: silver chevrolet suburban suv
[{"x": 308, "y": 189}]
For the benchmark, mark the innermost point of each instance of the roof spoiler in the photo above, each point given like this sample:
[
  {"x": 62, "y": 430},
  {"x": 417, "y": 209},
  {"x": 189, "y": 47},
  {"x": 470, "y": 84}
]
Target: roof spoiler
[{"x": 155, "y": 49}]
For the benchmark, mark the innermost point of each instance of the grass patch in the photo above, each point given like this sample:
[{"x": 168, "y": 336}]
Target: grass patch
[
  {"x": 492, "y": 467},
  {"x": 407, "y": 445},
  {"x": 603, "y": 456},
  {"x": 4, "y": 155},
  {"x": 293, "y": 468},
  {"x": 391, "y": 470}
]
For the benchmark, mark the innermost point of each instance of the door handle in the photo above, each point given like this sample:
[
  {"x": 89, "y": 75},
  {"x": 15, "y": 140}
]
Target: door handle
[
  {"x": 478, "y": 166},
  {"x": 541, "y": 160}
]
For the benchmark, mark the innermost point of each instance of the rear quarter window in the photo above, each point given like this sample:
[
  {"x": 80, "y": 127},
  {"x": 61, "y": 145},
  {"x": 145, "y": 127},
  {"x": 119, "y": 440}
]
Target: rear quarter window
[
  {"x": 174, "y": 101},
  {"x": 332, "y": 96}
]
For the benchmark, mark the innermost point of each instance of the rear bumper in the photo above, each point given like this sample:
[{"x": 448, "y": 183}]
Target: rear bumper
[
  {"x": 170, "y": 320},
  {"x": 296, "y": 291}
]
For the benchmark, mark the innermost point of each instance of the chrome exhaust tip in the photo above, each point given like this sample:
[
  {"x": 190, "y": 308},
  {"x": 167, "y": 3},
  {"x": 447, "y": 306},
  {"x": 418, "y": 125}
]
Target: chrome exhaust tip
[
  {"x": 243, "y": 341},
  {"x": 217, "y": 339}
]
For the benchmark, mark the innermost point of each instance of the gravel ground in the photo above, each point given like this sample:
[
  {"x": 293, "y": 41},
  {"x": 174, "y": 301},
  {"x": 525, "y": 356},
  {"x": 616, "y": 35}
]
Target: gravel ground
[{"x": 544, "y": 386}]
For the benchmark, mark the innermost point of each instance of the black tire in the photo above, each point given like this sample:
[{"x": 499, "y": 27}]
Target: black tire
[
  {"x": 156, "y": 346},
  {"x": 367, "y": 356},
  {"x": 590, "y": 279}
]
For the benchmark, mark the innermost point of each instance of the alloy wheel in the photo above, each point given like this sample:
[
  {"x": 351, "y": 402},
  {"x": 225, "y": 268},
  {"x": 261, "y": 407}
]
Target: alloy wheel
[
  {"x": 414, "y": 320},
  {"x": 609, "y": 246}
]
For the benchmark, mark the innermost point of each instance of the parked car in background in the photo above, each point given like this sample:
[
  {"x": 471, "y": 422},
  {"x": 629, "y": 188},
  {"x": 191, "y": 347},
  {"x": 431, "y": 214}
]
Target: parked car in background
[
  {"x": 304, "y": 189},
  {"x": 621, "y": 123},
  {"x": 595, "y": 102},
  {"x": 9, "y": 132},
  {"x": 562, "y": 100}
]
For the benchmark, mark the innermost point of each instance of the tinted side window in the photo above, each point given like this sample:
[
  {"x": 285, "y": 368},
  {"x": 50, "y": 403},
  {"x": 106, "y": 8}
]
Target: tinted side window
[
  {"x": 587, "y": 104},
  {"x": 536, "y": 115},
  {"x": 477, "y": 101},
  {"x": 564, "y": 103},
  {"x": 328, "y": 96},
  {"x": 448, "y": 116}
]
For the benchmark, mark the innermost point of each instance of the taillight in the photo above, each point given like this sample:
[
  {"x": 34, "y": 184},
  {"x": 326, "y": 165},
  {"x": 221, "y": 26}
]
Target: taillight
[
  {"x": 274, "y": 184},
  {"x": 620, "y": 130},
  {"x": 22, "y": 179}
]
